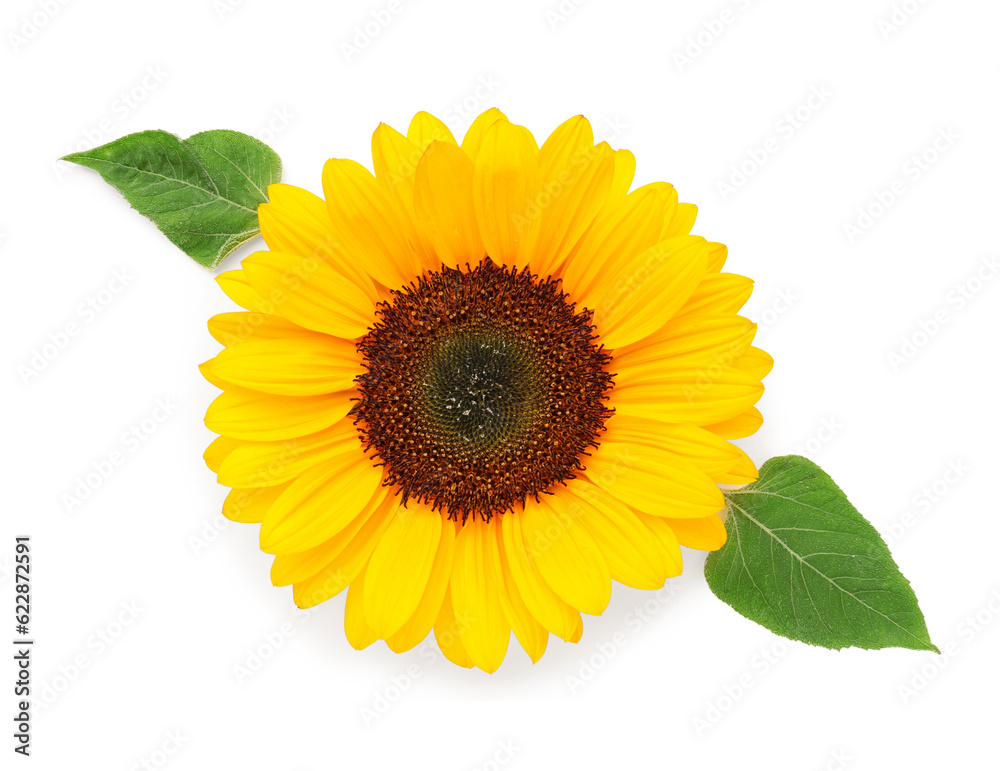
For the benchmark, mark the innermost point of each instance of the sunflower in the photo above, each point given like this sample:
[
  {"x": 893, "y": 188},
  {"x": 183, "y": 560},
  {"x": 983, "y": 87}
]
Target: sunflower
[{"x": 481, "y": 384}]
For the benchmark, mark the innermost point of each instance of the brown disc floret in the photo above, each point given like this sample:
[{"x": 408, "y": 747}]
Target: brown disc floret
[{"x": 482, "y": 388}]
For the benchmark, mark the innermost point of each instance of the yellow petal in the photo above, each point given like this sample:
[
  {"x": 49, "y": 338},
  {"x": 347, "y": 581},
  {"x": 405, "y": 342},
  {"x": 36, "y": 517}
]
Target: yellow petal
[
  {"x": 705, "y": 533},
  {"x": 311, "y": 292},
  {"x": 297, "y": 222},
  {"x": 250, "y": 504},
  {"x": 572, "y": 195},
  {"x": 551, "y": 611},
  {"x": 696, "y": 396},
  {"x": 419, "y": 625},
  {"x": 363, "y": 217},
  {"x": 206, "y": 372},
  {"x": 425, "y": 128},
  {"x": 359, "y": 634},
  {"x": 505, "y": 185},
  {"x": 653, "y": 480},
  {"x": 292, "y": 367},
  {"x": 295, "y": 567},
  {"x": 624, "y": 540},
  {"x": 744, "y": 424},
  {"x": 694, "y": 340},
  {"x": 723, "y": 462},
  {"x": 566, "y": 554},
  {"x": 446, "y": 632},
  {"x": 258, "y": 417},
  {"x": 756, "y": 363},
  {"x": 717, "y": 254},
  {"x": 529, "y": 632},
  {"x": 474, "y": 136},
  {"x": 718, "y": 293},
  {"x": 640, "y": 298},
  {"x": 217, "y": 452},
  {"x": 576, "y": 179},
  {"x": 263, "y": 464},
  {"x": 680, "y": 221},
  {"x": 443, "y": 203},
  {"x": 400, "y": 568},
  {"x": 665, "y": 539},
  {"x": 332, "y": 579},
  {"x": 321, "y": 502},
  {"x": 475, "y": 593},
  {"x": 743, "y": 471},
  {"x": 617, "y": 235},
  {"x": 239, "y": 327},
  {"x": 395, "y": 159},
  {"x": 624, "y": 174},
  {"x": 570, "y": 139},
  {"x": 234, "y": 283}
]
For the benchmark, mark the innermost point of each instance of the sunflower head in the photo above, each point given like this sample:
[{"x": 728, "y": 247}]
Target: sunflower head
[{"x": 480, "y": 384}]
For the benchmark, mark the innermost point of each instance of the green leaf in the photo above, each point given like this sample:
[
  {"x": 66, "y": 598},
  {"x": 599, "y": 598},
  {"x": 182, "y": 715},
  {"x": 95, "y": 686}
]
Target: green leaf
[
  {"x": 801, "y": 561},
  {"x": 202, "y": 192}
]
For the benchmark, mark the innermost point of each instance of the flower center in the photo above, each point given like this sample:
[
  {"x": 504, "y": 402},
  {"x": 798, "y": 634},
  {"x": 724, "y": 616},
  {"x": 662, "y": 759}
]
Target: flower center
[{"x": 483, "y": 388}]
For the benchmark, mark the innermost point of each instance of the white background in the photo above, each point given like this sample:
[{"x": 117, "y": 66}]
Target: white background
[{"x": 689, "y": 683}]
